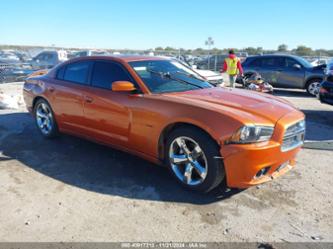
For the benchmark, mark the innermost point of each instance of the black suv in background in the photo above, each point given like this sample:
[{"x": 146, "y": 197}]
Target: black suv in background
[
  {"x": 326, "y": 88},
  {"x": 286, "y": 71}
]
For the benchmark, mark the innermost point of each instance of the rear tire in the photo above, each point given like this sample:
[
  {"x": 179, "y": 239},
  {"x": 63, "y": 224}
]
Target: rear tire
[
  {"x": 45, "y": 119},
  {"x": 194, "y": 159}
]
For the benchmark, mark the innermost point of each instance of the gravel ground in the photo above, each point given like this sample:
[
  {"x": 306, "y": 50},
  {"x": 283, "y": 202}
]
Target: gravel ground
[{"x": 69, "y": 189}]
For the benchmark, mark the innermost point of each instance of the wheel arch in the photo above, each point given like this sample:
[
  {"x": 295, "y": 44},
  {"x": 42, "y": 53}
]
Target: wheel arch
[
  {"x": 308, "y": 80},
  {"x": 35, "y": 100},
  {"x": 176, "y": 125}
]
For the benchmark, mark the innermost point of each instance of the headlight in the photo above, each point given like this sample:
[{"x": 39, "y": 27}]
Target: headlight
[{"x": 252, "y": 134}]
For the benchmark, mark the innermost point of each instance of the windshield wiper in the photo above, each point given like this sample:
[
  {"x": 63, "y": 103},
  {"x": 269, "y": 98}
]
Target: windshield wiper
[{"x": 168, "y": 75}]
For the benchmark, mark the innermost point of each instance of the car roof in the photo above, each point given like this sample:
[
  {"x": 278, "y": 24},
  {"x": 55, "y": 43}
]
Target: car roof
[
  {"x": 124, "y": 58},
  {"x": 119, "y": 58},
  {"x": 48, "y": 51},
  {"x": 273, "y": 55}
]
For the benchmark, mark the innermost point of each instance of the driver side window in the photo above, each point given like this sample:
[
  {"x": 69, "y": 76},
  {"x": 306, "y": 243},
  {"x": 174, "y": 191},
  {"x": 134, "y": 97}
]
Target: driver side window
[
  {"x": 105, "y": 73},
  {"x": 290, "y": 63},
  {"x": 40, "y": 57}
]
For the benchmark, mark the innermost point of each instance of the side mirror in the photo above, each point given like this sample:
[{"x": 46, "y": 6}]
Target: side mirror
[
  {"x": 123, "y": 86},
  {"x": 297, "y": 66}
]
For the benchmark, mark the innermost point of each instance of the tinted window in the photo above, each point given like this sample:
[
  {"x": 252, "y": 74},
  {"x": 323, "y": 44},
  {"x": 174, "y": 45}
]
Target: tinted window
[
  {"x": 77, "y": 72},
  {"x": 40, "y": 57},
  {"x": 272, "y": 62},
  {"x": 48, "y": 56},
  {"x": 105, "y": 73},
  {"x": 290, "y": 62},
  {"x": 45, "y": 56},
  {"x": 60, "y": 73},
  {"x": 82, "y": 53},
  {"x": 254, "y": 62}
]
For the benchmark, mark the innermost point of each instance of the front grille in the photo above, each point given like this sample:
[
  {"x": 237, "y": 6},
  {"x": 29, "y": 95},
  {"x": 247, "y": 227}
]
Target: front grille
[{"x": 294, "y": 136}]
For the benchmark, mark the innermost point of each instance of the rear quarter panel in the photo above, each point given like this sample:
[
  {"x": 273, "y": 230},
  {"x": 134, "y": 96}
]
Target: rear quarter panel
[{"x": 32, "y": 88}]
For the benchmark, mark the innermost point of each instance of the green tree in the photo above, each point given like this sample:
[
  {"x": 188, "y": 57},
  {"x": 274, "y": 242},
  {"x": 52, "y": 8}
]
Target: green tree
[
  {"x": 199, "y": 51},
  {"x": 169, "y": 49},
  {"x": 260, "y": 50},
  {"x": 251, "y": 50},
  {"x": 216, "y": 51},
  {"x": 189, "y": 51},
  {"x": 283, "y": 48},
  {"x": 303, "y": 50},
  {"x": 322, "y": 52},
  {"x": 159, "y": 49}
]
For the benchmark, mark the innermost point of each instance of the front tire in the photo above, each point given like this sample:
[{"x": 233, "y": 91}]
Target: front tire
[
  {"x": 44, "y": 118},
  {"x": 194, "y": 159},
  {"x": 312, "y": 87}
]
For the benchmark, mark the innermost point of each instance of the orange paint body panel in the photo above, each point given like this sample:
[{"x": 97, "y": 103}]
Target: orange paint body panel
[{"x": 136, "y": 122}]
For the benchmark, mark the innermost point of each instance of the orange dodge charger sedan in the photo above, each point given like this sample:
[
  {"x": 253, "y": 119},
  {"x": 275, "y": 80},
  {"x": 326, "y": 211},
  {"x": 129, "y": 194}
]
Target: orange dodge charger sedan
[{"x": 163, "y": 111}]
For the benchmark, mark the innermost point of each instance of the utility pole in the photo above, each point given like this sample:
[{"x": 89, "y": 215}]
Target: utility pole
[{"x": 209, "y": 43}]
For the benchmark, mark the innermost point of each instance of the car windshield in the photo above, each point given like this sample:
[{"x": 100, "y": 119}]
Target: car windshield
[{"x": 162, "y": 76}]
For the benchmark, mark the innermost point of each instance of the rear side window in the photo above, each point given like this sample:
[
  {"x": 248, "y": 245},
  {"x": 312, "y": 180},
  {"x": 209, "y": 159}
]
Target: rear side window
[
  {"x": 78, "y": 72},
  {"x": 48, "y": 56},
  {"x": 256, "y": 62},
  {"x": 105, "y": 73},
  {"x": 272, "y": 62}
]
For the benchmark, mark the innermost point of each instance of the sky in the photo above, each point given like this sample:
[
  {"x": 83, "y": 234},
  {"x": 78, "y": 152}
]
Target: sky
[{"x": 145, "y": 24}]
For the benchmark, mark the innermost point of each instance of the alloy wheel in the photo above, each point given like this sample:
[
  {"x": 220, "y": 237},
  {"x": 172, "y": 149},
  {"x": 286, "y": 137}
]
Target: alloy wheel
[
  {"x": 314, "y": 88},
  {"x": 44, "y": 118},
  {"x": 188, "y": 161}
]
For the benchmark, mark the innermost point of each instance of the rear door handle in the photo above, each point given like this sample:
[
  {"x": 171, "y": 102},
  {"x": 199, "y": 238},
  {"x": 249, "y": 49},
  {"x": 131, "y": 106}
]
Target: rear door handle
[{"x": 88, "y": 99}]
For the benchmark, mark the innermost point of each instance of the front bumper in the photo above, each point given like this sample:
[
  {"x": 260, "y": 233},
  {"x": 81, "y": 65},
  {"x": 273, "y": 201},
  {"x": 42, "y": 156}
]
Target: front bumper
[{"x": 242, "y": 162}]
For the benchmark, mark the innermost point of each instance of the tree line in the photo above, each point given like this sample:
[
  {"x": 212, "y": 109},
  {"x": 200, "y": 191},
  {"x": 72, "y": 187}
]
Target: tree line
[{"x": 300, "y": 50}]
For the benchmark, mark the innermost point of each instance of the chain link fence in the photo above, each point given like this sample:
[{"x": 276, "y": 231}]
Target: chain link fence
[{"x": 5, "y": 72}]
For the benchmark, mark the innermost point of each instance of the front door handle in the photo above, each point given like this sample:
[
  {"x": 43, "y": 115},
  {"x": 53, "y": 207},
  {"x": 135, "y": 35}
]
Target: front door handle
[{"x": 88, "y": 99}]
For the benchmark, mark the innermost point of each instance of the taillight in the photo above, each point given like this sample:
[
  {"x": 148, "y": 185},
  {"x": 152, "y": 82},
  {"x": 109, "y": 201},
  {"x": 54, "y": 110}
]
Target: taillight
[{"x": 323, "y": 90}]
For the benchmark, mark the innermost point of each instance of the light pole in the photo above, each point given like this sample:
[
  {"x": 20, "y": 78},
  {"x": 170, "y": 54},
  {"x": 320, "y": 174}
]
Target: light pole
[{"x": 209, "y": 43}]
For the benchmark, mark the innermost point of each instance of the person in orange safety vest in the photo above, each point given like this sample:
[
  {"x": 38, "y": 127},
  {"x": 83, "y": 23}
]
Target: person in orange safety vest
[{"x": 233, "y": 67}]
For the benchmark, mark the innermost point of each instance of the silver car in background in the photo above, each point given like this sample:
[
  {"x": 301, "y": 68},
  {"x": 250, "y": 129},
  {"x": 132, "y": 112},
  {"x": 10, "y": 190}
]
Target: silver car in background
[{"x": 48, "y": 59}]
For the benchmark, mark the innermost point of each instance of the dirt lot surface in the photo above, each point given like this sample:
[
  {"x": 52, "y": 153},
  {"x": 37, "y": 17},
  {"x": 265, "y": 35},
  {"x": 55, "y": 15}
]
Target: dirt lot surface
[{"x": 69, "y": 189}]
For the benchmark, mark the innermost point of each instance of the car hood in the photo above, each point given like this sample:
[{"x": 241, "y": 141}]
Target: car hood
[
  {"x": 207, "y": 73},
  {"x": 319, "y": 68},
  {"x": 243, "y": 102}
]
